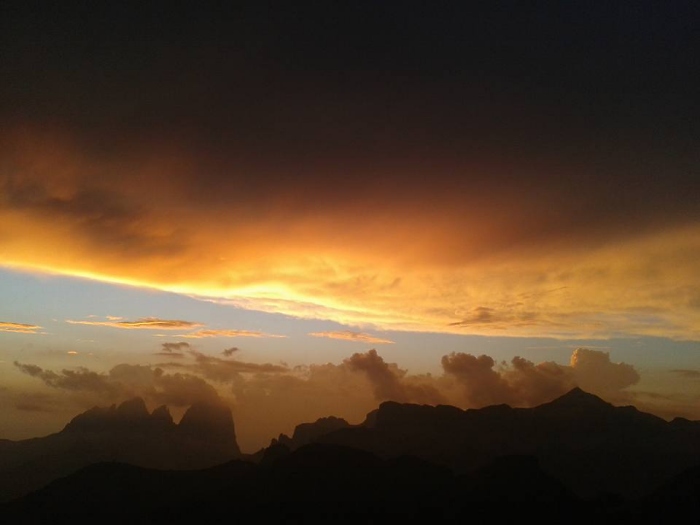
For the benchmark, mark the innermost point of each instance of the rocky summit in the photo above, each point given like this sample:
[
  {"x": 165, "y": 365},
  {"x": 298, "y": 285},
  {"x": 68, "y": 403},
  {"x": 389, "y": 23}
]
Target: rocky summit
[{"x": 125, "y": 433}]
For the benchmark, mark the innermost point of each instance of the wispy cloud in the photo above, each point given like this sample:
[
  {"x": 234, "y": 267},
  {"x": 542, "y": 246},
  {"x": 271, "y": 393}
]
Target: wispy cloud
[
  {"x": 125, "y": 380},
  {"x": 348, "y": 335},
  {"x": 144, "y": 323},
  {"x": 689, "y": 374},
  {"x": 199, "y": 334},
  {"x": 19, "y": 328},
  {"x": 174, "y": 349}
]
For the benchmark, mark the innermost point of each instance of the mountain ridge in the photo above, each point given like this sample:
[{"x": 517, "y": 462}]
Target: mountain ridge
[
  {"x": 590, "y": 444},
  {"x": 127, "y": 432},
  {"x": 585, "y": 443}
]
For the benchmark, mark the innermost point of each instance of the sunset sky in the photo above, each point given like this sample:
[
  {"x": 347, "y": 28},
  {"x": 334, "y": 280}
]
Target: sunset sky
[{"x": 307, "y": 208}]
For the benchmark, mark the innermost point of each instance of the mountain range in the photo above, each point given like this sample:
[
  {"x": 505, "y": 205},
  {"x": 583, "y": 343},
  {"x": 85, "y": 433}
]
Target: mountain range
[
  {"x": 128, "y": 433},
  {"x": 575, "y": 459}
]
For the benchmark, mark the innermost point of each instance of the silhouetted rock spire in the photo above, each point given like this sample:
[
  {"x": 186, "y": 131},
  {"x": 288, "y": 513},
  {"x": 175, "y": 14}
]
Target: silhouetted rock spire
[
  {"x": 162, "y": 415},
  {"x": 209, "y": 422}
]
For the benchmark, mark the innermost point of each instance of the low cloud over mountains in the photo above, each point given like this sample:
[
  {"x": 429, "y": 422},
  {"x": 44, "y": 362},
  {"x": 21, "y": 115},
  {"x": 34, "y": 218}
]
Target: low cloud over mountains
[{"x": 286, "y": 395}]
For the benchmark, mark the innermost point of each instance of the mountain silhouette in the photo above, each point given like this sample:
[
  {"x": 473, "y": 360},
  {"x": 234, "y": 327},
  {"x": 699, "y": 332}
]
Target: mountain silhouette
[
  {"x": 590, "y": 445},
  {"x": 125, "y": 433},
  {"x": 575, "y": 459}
]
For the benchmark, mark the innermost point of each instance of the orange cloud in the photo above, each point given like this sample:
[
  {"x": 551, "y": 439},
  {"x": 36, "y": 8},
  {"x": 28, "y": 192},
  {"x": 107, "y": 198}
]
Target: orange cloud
[
  {"x": 348, "y": 335},
  {"x": 146, "y": 323},
  {"x": 457, "y": 256},
  {"x": 19, "y": 328},
  {"x": 227, "y": 333}
]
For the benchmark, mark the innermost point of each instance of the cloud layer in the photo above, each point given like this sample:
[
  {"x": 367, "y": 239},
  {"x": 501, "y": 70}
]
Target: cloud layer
[
  {"x": 457, "y": 266},
  {"x": 268, "y": 399},
  {"x": 467, "y": 170}
]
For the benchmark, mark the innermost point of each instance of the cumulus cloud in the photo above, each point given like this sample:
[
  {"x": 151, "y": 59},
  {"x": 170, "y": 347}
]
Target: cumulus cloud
[
  {"x": 482, "y": 384},
  {"x": 595, "y": 372},
  {"x": 348, "y": 335},
  {"x": 145, "y": 323},
  {"x": 227, "y": 333},
  {"x": 389, "y": 382},
  {"x": 533, "y": 384},
  {"x": 523, "y": 383},
  {"x": 19, "y": 328}
]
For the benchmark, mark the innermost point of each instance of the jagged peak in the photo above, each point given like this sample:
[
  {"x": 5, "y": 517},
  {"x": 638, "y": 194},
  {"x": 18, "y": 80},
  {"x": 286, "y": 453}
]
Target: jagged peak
[
  {"x": 321, "y": 425},
  {"x": 162, "y": 413},
  {"x": 134, "y": 408},
  {"x": 128, "y": 414}
]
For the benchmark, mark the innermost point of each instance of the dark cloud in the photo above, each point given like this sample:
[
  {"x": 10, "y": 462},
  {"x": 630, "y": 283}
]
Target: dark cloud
[
  {"x": 368, "y": 85},
  {"x": 180, "y": 346},
  {"x": 480, "y": 314},
  {"x": 229, "y": 369},
  {"x": 102, "y": 216},
  {"x": 228, "y": 352},
  {"x": 507, "y": 317},
  {"x": 386, "y": 140},
  {"x": 32, "y": 370},
  {"x": 174, "y": 349},
  {"x": 80, "y": 379},
  {"x": 124, "y": 381}
]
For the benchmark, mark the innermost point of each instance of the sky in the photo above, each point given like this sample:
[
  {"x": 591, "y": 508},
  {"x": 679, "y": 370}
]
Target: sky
[{"x": 302, "y": 210}]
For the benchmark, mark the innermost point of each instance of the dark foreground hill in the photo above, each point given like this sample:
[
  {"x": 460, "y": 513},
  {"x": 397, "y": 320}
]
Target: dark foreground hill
[
  {"x": 316, "y": 483},
  {"x": 334, "y": 484}
]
